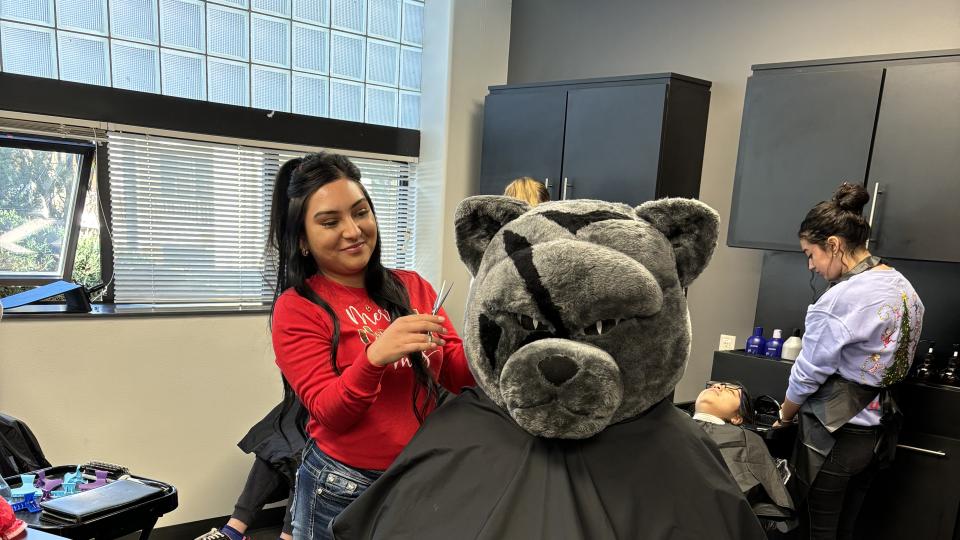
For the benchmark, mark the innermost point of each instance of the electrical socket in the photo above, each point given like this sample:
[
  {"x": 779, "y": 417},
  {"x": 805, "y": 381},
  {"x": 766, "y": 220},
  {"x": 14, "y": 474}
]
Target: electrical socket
[{"x": 727, "y": 343}]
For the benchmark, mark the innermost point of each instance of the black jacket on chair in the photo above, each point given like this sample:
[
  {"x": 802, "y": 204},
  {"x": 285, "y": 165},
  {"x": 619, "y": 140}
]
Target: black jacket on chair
[{"x": 19, "y": 450}]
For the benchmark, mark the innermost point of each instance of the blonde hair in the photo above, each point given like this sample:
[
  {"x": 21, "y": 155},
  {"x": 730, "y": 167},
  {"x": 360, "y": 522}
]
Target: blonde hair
[{"x": 529, "y": 190}]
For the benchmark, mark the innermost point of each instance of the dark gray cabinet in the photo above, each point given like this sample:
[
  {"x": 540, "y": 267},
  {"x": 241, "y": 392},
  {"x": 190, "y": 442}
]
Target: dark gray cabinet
[
  {"x": 522, "y": 136},
  {"x": 891, "y": 123},
  {"x": 802, "y": 134},
  {"x": 626, "y": 139},
  {"x": 916, "y": 164}
]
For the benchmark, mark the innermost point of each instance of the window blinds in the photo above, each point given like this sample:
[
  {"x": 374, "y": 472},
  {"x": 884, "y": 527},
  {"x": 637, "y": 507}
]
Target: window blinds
[{"x": 190, "y": 218}]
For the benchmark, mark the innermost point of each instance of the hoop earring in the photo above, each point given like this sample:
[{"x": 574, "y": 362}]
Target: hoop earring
[{"x": 304, "y": 251}]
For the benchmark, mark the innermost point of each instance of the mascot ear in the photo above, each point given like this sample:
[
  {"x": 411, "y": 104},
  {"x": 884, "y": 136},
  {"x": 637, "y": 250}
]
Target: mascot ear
[
  {"x": 692, "y": 228},
  {"x": 477, "y": 221}
]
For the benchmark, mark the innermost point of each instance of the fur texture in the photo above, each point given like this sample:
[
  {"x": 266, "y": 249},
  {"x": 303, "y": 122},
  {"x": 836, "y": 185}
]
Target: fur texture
[{"x": 577, "y": 316}]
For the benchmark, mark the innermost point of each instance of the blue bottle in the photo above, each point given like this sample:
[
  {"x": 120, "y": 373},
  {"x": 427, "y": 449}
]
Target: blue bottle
[
  {"x": 774, "y": 345},
  {"x": 755, "y": 343}
]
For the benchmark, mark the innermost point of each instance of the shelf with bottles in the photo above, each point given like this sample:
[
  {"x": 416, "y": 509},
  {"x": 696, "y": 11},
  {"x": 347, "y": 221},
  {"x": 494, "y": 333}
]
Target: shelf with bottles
[{"x": 933, "y": 368}]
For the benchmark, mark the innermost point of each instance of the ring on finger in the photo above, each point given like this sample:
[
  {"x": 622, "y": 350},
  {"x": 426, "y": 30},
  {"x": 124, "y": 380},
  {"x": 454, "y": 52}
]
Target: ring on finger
[{"x": 429, "y": 338}]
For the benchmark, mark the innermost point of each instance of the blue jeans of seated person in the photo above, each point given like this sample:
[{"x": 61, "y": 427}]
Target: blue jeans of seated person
[{"x": 324, "y": 488}]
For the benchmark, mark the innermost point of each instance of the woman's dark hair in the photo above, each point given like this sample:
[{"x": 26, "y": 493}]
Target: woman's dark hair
[
  {"x": 296, "y": 181},
  {"x": 841, "y": 216}
]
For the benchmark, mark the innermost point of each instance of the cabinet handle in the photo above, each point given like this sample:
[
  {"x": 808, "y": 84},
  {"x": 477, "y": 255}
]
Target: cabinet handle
[
  {"x": 937, "y": 453},
  {"x": 873, "y": 209},
  {"x": 546, "y": 183},
  {"x": 566, "y": 184}
]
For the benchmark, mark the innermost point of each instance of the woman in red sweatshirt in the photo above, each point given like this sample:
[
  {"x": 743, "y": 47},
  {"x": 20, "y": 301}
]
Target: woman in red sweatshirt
[{"x": 355, "y": 341}]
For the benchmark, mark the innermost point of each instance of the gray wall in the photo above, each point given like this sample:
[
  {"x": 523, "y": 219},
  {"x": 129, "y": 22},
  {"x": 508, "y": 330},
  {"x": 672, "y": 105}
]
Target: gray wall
[{"x": 718, "y": 41}]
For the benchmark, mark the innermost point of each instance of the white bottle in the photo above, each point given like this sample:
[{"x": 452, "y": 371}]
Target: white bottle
[{"x": 791, "y": 347}]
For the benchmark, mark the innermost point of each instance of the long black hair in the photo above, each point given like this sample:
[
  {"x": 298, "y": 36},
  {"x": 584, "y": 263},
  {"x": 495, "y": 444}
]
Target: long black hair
[{"x": 296, "y": 181}]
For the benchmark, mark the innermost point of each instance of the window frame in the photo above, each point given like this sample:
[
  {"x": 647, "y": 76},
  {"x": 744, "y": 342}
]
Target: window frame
[
  {"x": 65, "y": 104},
  {"x": 87, "y": 152}
]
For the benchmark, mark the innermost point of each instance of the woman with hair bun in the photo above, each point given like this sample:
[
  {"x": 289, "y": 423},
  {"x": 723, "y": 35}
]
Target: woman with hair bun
[{"x": 859, "y": 342}]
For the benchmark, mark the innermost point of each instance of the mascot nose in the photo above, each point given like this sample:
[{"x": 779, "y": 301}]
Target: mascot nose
[{"x": 558, "y": 369}]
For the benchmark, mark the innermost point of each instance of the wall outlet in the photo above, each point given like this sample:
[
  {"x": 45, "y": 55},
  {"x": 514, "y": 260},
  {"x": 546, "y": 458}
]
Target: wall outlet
[{"x": 727, "y": 343}]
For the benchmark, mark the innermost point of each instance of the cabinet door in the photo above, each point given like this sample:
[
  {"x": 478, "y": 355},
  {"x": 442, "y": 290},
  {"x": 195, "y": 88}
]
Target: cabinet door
[
  {"x": 918, "y": 496},
  {"x": 522, "y": 136},
  {"x": 612, "y": 146},
  {"x": 916, "y": 162},
  {"x": 802, "y": 135}
]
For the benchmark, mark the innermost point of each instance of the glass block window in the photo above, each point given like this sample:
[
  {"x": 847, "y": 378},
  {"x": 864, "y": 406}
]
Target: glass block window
[
  {"x": 228, "y": 82},
  {"x": 383, "y": 61},
  {"x": 28, "y": 11},
  {"x": 312, "y": 11},
  {"x": 274, "y": 7},
  {"x": 183, "y": 74},
  {"x": 311, "y": 94},
  {"x": 349, "y": 15},
  {"x": 136, "y": 66},
  {"x": 381, "y": 106},
  {"x": 182, "y": 24},
  {"x": 83, "y": 16},
  {"x": 383, "y": 20},
  {"x": 347, "y": 55},
  {"x": 409, "y": 110},
  {"x": 346, "y": 100},
  {"x": 271, "y": 89},
  {"x": 84, "y": 58},
  {"x": 311, "y": 49},
  {"x": 227, "y": 31},
  {"x": 28, "y": 50},
  {"x": 270, "y": 40},
  {"x": 357, "y": 60},
  {"x": 135, "y": 20}
]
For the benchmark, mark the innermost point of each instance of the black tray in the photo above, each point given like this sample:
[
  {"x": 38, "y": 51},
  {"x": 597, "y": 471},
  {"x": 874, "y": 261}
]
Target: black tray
[{"x": 139, "y": 516}]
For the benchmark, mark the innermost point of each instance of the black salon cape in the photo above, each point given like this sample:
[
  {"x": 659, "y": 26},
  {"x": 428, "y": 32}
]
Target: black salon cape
[
  {"x": 753, "y": 468},
  {"x": 472, "y": 473}
]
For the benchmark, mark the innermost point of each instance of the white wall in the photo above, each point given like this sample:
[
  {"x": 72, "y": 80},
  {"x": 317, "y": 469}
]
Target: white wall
[
  {"x": 718, "y": 41},
  {"x": 167, "y": 397},
  {"x": 478, "y": 59}
]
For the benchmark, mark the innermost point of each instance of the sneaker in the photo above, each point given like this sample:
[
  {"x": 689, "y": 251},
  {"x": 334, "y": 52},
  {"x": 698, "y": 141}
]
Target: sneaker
[{"x": 216, "y": 534}]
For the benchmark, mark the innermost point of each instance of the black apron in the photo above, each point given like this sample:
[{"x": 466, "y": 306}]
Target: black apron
[
  {"x": 831, "y": 407},
  {"x": 472, "y": 473}
]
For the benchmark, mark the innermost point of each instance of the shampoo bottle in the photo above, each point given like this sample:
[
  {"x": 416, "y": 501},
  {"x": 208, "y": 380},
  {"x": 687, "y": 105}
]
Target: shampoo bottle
[
  {"x": 774, "y": 344},
  {"x": 791, "y": 347},
  {"x": 755, "y": 343}
]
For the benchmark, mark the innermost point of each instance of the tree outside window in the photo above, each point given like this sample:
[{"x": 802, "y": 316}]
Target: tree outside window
[{"x": 39, "y": 187}]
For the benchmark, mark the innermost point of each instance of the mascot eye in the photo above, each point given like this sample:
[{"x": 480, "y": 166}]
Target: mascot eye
[
  {"x": 528, "y": 323},
  {"x": 600, "y": 327}
]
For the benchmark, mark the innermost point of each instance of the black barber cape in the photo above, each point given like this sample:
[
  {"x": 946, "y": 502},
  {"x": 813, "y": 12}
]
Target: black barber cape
[
  {"x": 753, "y": 468},
  {"x": 472, "y": 473}
]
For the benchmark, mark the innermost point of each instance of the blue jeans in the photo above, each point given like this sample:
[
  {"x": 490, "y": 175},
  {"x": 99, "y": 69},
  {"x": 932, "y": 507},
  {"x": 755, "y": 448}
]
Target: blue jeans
[{"x": 324, "y": 488}]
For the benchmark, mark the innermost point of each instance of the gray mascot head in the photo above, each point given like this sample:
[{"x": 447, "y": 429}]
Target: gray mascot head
[{"x": 577, "y": 316}]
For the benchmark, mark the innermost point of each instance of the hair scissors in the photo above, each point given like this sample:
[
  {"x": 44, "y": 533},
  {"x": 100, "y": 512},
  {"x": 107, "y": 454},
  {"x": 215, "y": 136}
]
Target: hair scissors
[{"x": 441, "y": 296}]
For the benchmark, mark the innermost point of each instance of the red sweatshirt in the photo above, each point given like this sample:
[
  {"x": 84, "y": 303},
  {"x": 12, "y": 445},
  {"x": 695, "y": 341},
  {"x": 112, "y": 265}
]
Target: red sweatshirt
[{"x": 364, "y": 417}]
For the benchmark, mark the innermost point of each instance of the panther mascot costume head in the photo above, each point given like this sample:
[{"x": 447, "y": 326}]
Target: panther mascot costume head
[{"x": 577, "y": 331}]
